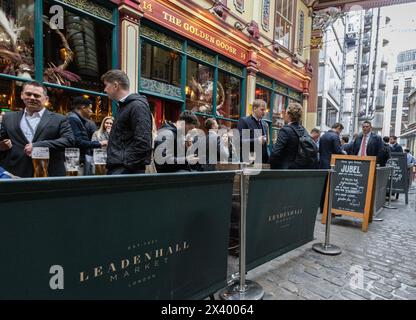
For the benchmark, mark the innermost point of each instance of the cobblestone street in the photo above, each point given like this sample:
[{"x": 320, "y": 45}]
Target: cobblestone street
[{"x": 385, "y": 256}]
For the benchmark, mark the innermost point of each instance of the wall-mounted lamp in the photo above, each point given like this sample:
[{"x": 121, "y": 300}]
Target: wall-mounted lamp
[
  {"x": 274, "y": 45},
  {"x": 239, "y": 26}
]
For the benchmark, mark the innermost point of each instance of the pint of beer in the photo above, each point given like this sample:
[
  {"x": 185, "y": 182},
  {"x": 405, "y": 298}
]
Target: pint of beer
[
  {"x": 100, "y": 161},
  {"x": 72, "y": 161},
  {"x": 40, "y": 159}
]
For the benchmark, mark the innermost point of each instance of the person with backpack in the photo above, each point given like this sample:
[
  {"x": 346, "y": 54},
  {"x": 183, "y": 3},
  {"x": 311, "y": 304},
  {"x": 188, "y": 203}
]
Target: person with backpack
[
  {"x": 294, "y": 147},
  {"x": 386, "y": 151},
  {"x": 330, "y": 144}
]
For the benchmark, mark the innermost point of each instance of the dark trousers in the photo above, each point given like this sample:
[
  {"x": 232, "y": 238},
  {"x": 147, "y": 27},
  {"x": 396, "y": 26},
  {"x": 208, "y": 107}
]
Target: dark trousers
[{"x": 124, "y": 170}]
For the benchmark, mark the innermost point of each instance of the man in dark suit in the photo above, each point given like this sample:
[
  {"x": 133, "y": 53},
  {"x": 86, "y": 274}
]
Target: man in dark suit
[
  {"x": 330, "y": 144},
  {"x": 395, "y": 147},
  {"x": 35, "y": 126},
  {"x": 368, "y": 143},
  {"x": 255, "y": 122}
]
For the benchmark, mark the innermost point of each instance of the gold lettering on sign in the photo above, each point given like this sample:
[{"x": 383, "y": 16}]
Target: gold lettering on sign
[
  {"x": 147, "y": 6},
  {"x": 188, "y": 27}
]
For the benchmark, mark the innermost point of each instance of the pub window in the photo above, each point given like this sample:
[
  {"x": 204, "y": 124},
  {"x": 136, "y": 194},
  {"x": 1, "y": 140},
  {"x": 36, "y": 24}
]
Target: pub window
[
  {"x": 160, "y": 64},
  {"x": 79, "y": 54},
  {"x": 199, "y": 87},
  {"x": 279, "y": 109},
  {"x": 17, "y": 38},
  {"x": 284, "y": 22},
  {"x": 228, "y": 96}
]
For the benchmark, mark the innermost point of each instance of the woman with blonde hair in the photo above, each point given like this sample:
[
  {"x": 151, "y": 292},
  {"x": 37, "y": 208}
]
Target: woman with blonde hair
[{"x": 103, "y": 133}]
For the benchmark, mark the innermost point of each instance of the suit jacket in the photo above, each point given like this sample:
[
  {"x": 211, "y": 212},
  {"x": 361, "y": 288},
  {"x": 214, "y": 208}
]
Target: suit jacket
[
  {"x": 396, "y": 148},
  {"x": 374, "y": 146},
  {"x": 285, "y": 149},
  {"x": 329, "y": 144},
  {"x": 251, "y": 123},
  {"x": 53, "y": 131}
]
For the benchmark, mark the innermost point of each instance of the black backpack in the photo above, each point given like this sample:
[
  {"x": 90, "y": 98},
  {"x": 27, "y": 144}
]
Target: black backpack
[
  {"x": 307, "y": 154},
  {"x": 386, "y": 153}
]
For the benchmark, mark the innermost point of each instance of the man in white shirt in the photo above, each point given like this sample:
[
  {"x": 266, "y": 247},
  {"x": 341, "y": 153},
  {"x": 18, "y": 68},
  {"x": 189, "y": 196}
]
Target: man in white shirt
[{"x": 35, "y": 126}]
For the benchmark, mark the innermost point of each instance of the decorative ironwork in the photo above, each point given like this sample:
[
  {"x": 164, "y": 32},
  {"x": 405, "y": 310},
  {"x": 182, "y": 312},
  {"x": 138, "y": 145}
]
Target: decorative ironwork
[
  {"x": 161, "y": 38},
  {"x": 324, "y": 18},
  {"x": 91, "y": 7},
  {"x": 281, "y": 89},
  {"x": 201, "y": 55},
  {"x": 264, "y": 82},
  {"x": 295, "y": 95},
  {"x": 160, "y": 88},
  {"x": 230, "y": 68}
]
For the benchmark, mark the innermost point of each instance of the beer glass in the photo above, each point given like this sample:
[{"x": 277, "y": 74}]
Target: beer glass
[
  {"x": 40, "y": 160},
  {"x": 100, "y": 161},
  {"x": 72, "y": 161}
]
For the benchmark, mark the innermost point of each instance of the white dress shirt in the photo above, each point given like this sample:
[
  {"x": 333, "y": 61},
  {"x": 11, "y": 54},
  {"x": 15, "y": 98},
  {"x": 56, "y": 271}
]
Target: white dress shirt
[
  {"x": 29, "y": 123},
  {"x": 124, "y": 98},
  {"x": 366, "y": 144}
]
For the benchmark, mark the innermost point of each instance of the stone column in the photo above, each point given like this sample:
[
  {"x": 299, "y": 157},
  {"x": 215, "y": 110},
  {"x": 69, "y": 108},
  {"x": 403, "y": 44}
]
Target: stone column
[
  {"x": 251, "y": 81},
  {"x": 312, "y": 111},
  {"x": 130, "y": 15}
]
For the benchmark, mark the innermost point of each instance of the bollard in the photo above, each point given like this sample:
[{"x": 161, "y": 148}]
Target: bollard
[
  {"x": 327, "y": 248},
  {"x": 391, "y": 190},
  {"x": 242, "y": 289}
]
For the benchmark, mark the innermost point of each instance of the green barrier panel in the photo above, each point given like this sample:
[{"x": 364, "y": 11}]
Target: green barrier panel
[
  {"x": 281, "y": 212},
  {"x": 125, "y": 237},
  {"x": 382, "y": 180}
]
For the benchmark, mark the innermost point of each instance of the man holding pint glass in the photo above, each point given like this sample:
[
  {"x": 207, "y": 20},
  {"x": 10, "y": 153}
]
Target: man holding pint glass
[{"x": 34, "y": 127}]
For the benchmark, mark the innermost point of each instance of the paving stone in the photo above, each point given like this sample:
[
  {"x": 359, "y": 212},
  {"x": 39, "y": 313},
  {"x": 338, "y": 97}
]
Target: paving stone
[
  {"x": 308, "y": 295},
  {"x": 392, "y": 282},
  {"x": 407, "y": 281},
  {"x": 289, "y": 286},
  {"x": 351, "y": 296},
  {"x": 383, "y": 286},
  {"x": 361, "y": 292},
  {"x": 404, "y": 295}
]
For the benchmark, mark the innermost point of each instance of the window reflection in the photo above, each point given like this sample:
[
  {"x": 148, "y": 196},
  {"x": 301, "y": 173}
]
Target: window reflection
[
  {"x": 278, "y": 111},
  {"x": 60, "y": 101},
  {"x": 265, "y": 95},
  {"x": 16, "y": 38},
  {"x": 228, "y": 96},
  {"x": 199, "y": 88},
  {"x": 161, "y": 64},
  {"x": 79, "y": 54}
]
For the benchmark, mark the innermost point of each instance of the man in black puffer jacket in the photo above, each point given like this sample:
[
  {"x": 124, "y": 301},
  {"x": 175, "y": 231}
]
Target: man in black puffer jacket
[{"x": 130, "y": 145}]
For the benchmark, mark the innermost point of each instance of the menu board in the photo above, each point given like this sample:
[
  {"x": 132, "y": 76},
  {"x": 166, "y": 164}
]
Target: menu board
[
  {"x": 398, "y": 161},
  {"x": 350, "y": 185},
  {"x": 353, "y": 185}
]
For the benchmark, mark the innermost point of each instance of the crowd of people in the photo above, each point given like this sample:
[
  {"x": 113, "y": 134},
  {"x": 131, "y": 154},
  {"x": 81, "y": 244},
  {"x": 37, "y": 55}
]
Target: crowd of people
[{"x": 133, "y": 145}]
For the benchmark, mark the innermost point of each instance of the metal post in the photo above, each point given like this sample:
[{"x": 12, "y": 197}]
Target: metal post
[
  {"x": 327, "y": 248},
  {"x": 391, "y": 189},
  {"x": 242, "y": 289}
]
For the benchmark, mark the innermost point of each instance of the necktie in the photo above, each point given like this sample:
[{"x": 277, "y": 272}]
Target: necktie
[{"x": 363, "y": 146}]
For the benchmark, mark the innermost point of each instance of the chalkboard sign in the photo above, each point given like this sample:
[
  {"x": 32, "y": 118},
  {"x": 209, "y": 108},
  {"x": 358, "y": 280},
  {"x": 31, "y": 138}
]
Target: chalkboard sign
[
  {"x": 398, "y": 161},
  {"x": 353, "y": 184}
]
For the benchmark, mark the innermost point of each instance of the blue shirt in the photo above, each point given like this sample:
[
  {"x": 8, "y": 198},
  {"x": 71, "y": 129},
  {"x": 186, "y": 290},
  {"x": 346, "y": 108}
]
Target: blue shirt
[{"x": 4, "y": 174}]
